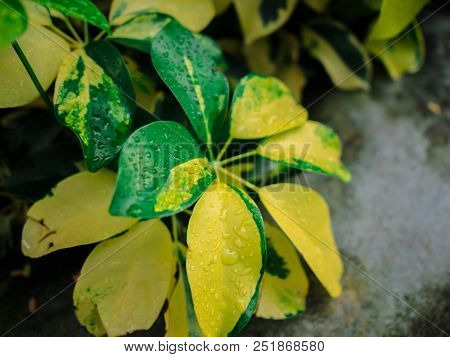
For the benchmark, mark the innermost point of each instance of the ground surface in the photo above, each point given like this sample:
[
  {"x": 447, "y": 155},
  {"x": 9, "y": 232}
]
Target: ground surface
[{"x": 391, "y": 223}]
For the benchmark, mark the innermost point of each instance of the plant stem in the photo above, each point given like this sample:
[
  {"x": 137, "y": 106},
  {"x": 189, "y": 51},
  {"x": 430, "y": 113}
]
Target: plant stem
[
  {"x": 238, "y": 157},
  {"x": 240, "y": 179},
  {"x": 32, "y": 75},
  {"x": 224, "y": 149},
  {"x": 188, "y": 211},
  {"x": 99, "y": 35},
  {"x": 63, "y": 35},
  {"x": 174, "y": 228},
  {"x": 71, "y": 29},
  {"x": 86, "y": 33}
]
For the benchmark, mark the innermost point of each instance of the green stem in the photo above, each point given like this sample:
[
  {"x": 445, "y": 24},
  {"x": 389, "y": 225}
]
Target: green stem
[
  {"x": 240, "y": 179},
  {"x": 224, "y": 149},
  {"x": 32, "y": 75},
  {"x": 174, "y": 228},
  {"x": 238, "y": 157},
  {"x": 63, "y": 35},
  {"x": 99, "y": 35},
  {"x": 86, "y": 33},
  {"x": 72, "y": 30}
]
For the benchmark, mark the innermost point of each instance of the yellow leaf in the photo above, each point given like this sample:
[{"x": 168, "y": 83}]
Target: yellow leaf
[
  {"x": 304, "y": 216},
  {"x": 238, "y": 170},
  {"x": 37, "y": 14},
  {"x": 221, "y": 5},
  {"x": 294, "y": 77},
  {"x": 284, "y": 286},
  {"x": 75, "y": 213},
  {"x": 45, "y": 51},
  {"x": 225, "y": 260},
  {"x": 124, "y": 281},
  {"x": 260, "y": 18},
  {"x": 194, "y": 14},
  {"x": 263, "y": 106},
  {"x": 311, "y": 147}
]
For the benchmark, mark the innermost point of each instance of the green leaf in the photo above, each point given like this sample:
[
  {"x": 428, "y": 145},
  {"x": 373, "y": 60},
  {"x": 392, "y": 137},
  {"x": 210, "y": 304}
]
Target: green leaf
[
  {"x": 13, "y": 21},
  {"x": 45, "y": 51},
  {"x": 225, "y": 260},
  {"x": 189, "y": 70},
  {"x": 162, "y": 171},
  {"x": 312, "y": 147},
  {"x": 340, "y": 52},
  {"x": 139, "y": 31},
  {"x": 211, "y": 46},
  {"x": 125, "y": 280},
  {"x": 400, "y": 55},
  {"x": 180, "y": 315},
  {"x": 260, "y": 18},
  {"x": 94, "y": 97},
  {"x": 80, "y": 9},
  {"x": 75, "y": 213},
  {"x": 263, "y": 106},
  {"x": 394, "y": 17},
  {"x": 285, "y": 285},
  {"x": 194, "y": 14},
  {"x": 305, "y": 218}
]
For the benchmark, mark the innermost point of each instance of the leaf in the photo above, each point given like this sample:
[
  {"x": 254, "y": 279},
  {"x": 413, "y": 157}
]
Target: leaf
[
  {"x": 13, "y": 21},
  {"x": 162, "y": 171},
  {"x": 75, "y": 213},
  {"x": 304, "y": 216},
  {"x": 340, "y": 52},
  {"x": 45, "y": 51},
  {"x": 139, "y": 31},
  {"x": 312, "y": 147},
  {"x": 94, "y": 97},
  {"x": 124, "y": 281},
  {"x": 260, "y": 18},
  {"x": 294, "y": 78},
  {"x": 225, "y": 260},
  {"x": 180, "y": 315},
  {"x": 317, "y": 5},
  {"x": 263, "y": 106},
  {"x": 37, "y": 14},
  {"x": 80, "y": 9},
  {"x": 211, "y": 46},
  {"x": 284, "y": 286},
  {"x": 221, "y": 5},
  {"x": 238, "y": 170},
  {"x": 194, "y": 14},
  {"x": 404, "y": 54},
  {"x": 189, "y": 70},
  {"x": 394, "y": 17}
]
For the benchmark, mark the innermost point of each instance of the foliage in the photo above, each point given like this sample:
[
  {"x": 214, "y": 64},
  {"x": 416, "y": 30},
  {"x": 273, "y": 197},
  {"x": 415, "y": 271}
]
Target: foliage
[{"x": 229, "y": 261}]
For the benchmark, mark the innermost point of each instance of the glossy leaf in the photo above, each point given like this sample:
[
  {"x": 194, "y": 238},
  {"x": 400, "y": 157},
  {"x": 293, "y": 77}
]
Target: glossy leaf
[
  {"x": 285, "y": 285},
  {"x": 161, "y": 171},
  {"x": 394, "y": 17},
  {"x": 180, "y": 315},
  {"x": 263, "y": 106},
  {"x": 405, "y": 54},
  {"x": 139, "y": 31},
  {"x": 80, "y": 9},
  {"x": 311, "y": 147},
  {"x": 340, "y": 52},
  {"x": 317, "y": 5},
  {"x": 305, "y": 218},
  {"x": 189, "y": 70},
  {"x": 260, "y": 18},
  {"x": 194, "y": 14},
  {"x": 75, "y": 213},
  {"x": 45, "y": 51},
  {"x": 13, "y": 21},
  {"x": 124, "y": 281},
  {"x": 225, "y": 260},
  {"x": 94, "y": 97}
]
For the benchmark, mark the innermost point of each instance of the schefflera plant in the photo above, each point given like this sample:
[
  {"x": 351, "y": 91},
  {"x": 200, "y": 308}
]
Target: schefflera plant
[{"x": 234, "y": 265}]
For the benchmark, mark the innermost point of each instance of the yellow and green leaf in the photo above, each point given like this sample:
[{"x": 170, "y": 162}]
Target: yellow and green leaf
[
  {"x": 400, "y": 55},
  {"x": 225, "y": 259},
  {"x": 190, "y": 70},
  {"x": 45, "y": 51},
  {"x": 394, "y": 17},
  {"x": 125, "y": 280},
  {"x": 260, "y": 18},
  {"x": 162, "y": 171},
  {"x": 180, "y": 315},
  {"x": 340, "y": 53},
  {"x": 75, "y": 213},
  {"x": 285, "y": 285},
  {"x": 94, "y": 97},
  {"x": 305, "y": 218},
  {"x": 13, "y": 21},
  {"x": 311, "y": 147},
  {"x": 80, "y": 9},
  {"x": 194, "y": 14},
  {"x": 263, "y": 106}
]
